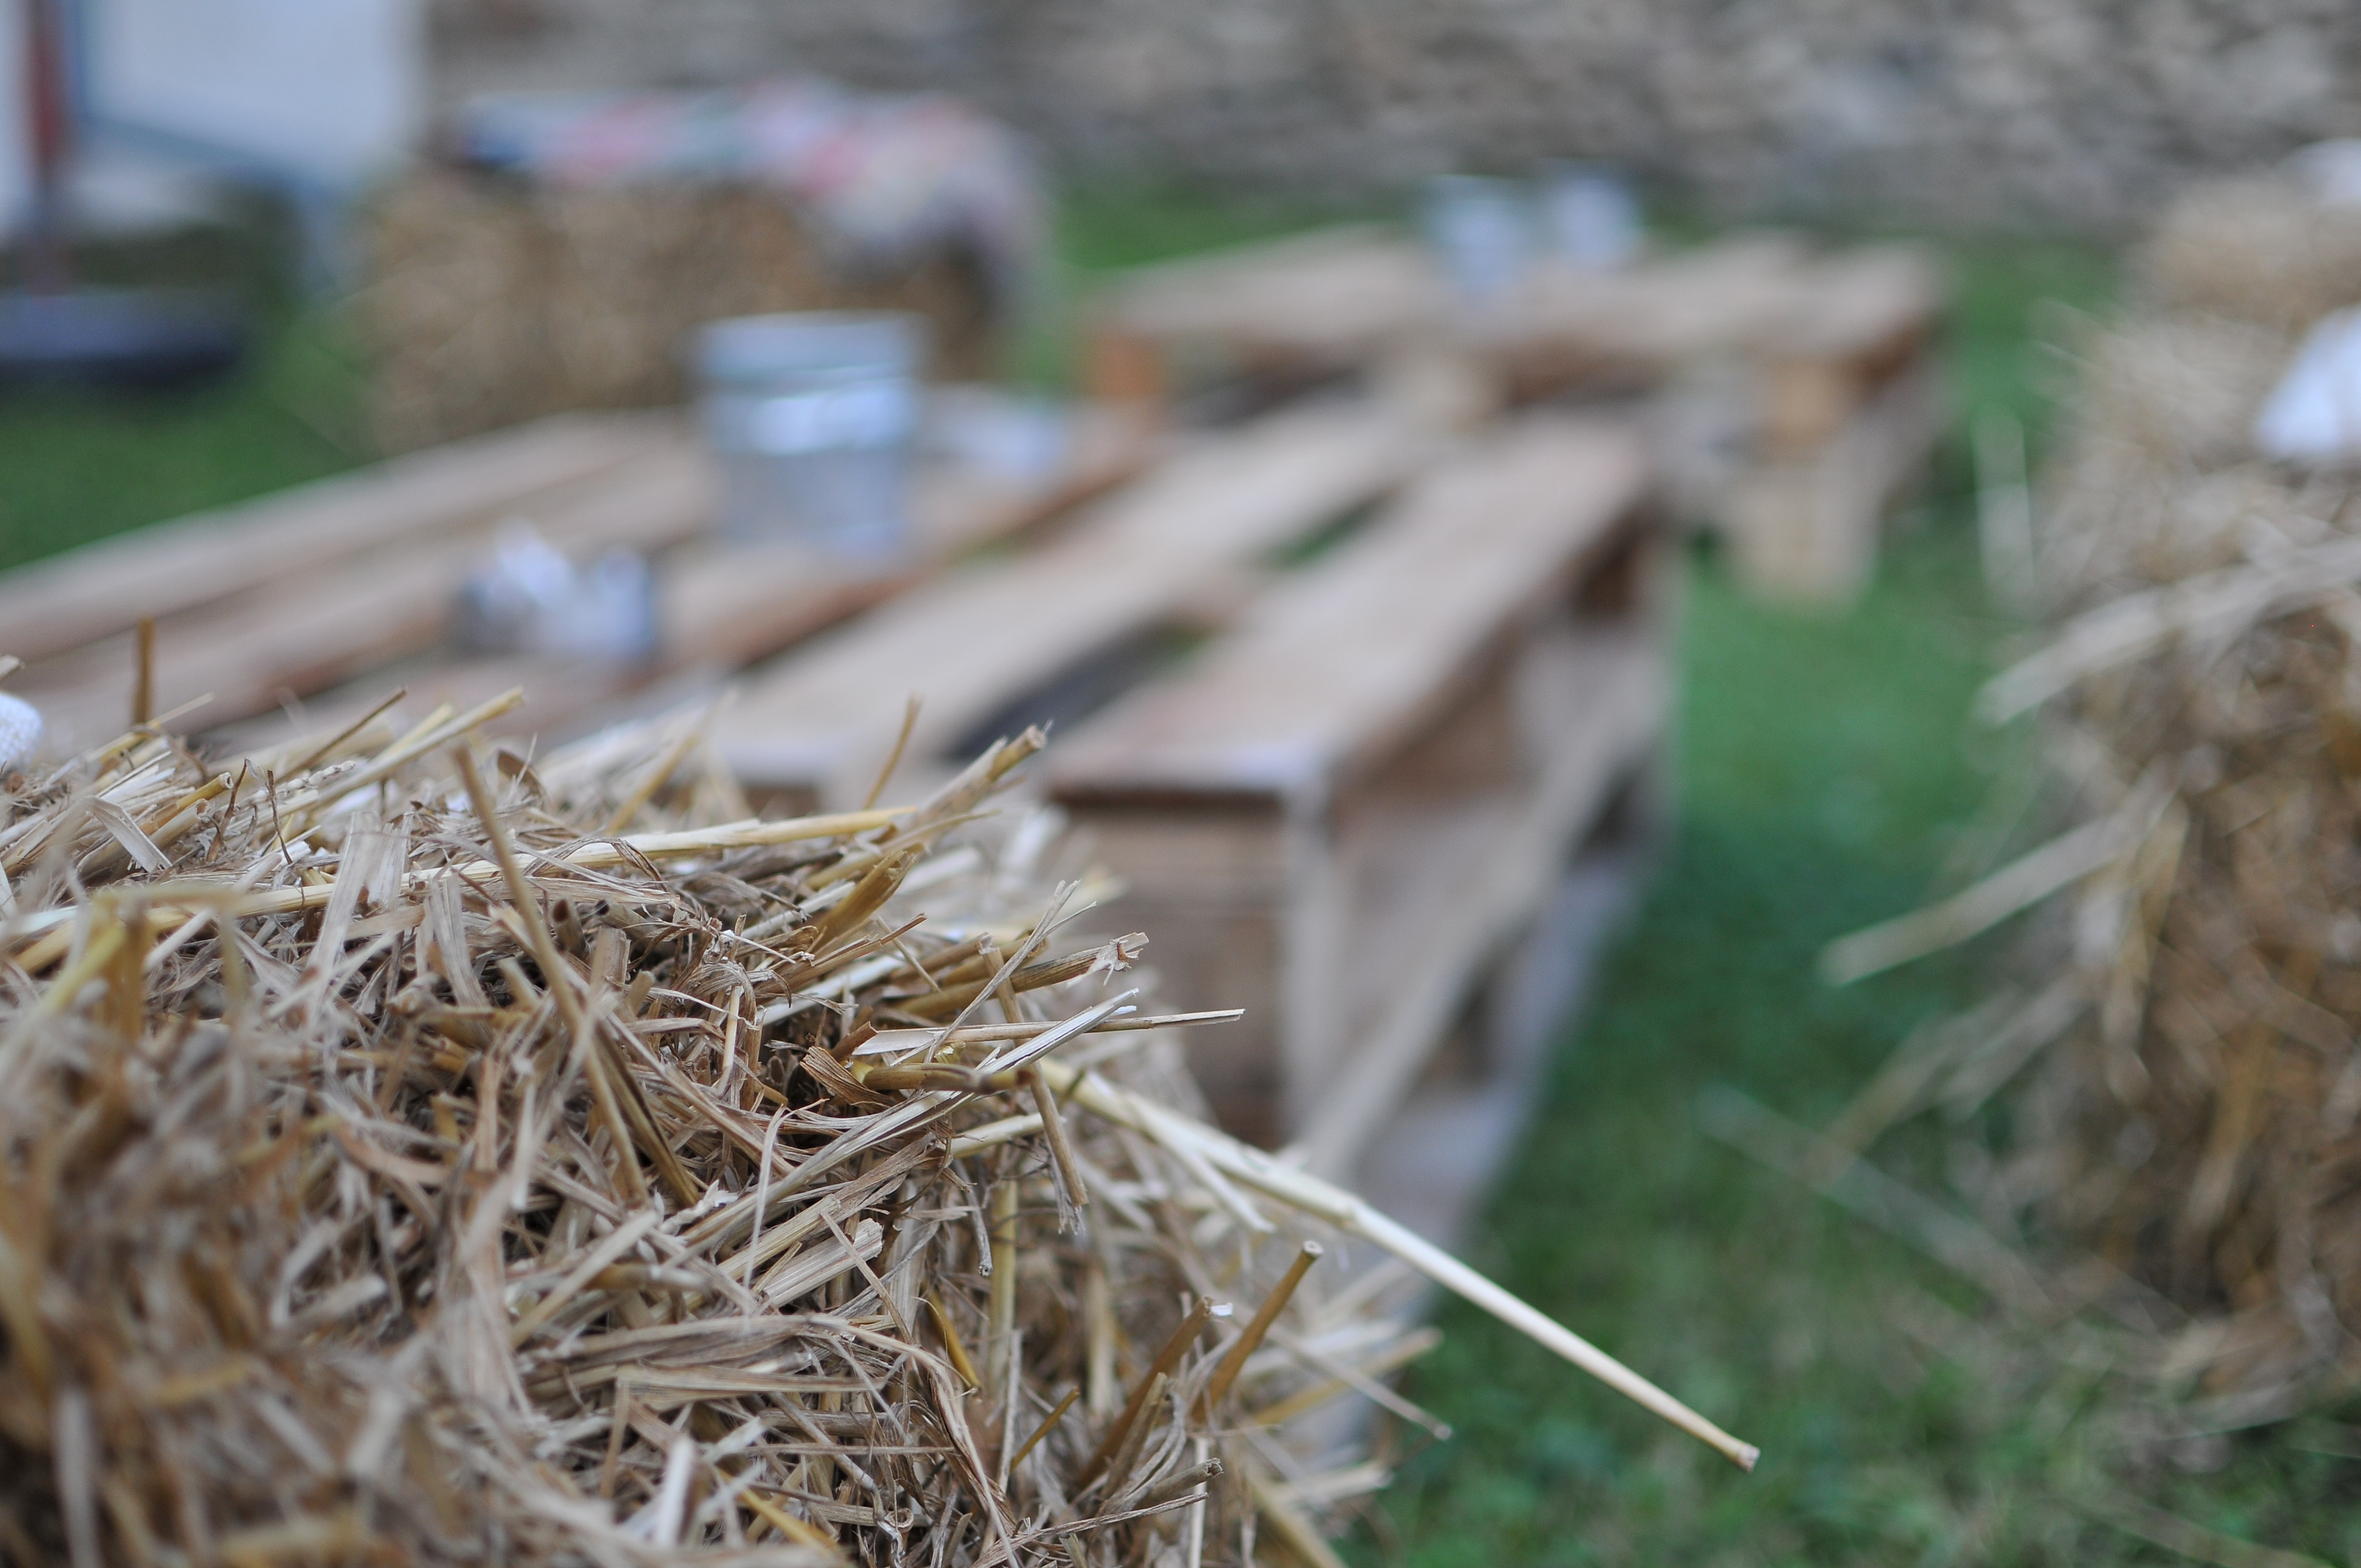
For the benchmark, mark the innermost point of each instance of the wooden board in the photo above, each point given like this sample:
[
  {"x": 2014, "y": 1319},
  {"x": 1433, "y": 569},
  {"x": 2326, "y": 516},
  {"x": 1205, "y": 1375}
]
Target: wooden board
[
  {"x": 296, "y": 634},
  {"x": 720, "y": 606},
  {"x": 1328, "y": 674},
  {"x": 1464, "y": 880},
  {"x": 822, "y": 720},
  {"x": 1341, "y": 809},
  {"x": 76, "y": 598},
  {"x": 1353, "y": 296},
  {"x": 1803, "y": 522}
]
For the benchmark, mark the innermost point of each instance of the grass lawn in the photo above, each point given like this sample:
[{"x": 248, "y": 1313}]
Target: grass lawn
[{"x": 76, "y": 468}]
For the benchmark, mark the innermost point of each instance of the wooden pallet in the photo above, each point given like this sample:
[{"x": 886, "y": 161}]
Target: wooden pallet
[
  {"x": 1833, "y": 413},
  {"x": 1338, "y": 812},
  {"x": 814, "y": 729},
  {"x": 1848, "y": 409},
  {"x": 1347, "y": 299},
  {"x": 352, "y": 584}
]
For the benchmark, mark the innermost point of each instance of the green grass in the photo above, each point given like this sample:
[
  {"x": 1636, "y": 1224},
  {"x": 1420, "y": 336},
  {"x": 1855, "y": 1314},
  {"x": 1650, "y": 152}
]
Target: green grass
[
  {"x": 81, "y": 467},
  {"x": 74, "y": 469}
]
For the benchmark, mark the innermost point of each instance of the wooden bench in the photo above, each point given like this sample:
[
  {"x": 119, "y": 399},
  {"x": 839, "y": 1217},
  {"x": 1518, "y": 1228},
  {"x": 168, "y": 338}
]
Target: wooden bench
[
  {"x": 1337, "y": 813},
  {"x": 816, "y": 727}
]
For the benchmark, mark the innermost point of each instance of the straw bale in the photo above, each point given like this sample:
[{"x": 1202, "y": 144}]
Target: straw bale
[
  {"x": 2162, "y": 452},
  {"x": 2193, "y": 1004},
  {"x": 411, "y": 1155},
  {"x": 2265, "y": 251},
  {"x": 488, "y": 301}
]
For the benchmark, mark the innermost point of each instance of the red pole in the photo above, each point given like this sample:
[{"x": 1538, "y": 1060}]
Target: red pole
[{"x": 48, "y": 101}]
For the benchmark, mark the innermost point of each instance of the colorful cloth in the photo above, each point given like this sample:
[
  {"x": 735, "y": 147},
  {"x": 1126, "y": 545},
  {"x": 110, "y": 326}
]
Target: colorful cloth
[{"x": 886, "y": 179}]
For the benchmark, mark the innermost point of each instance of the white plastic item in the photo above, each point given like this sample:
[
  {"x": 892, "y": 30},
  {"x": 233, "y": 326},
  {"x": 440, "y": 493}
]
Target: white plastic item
[
  {"x": 2313, "y": 415},
  {"x": 528, "y": 598},
  {"x": 20, "y": 731},
  {"x": 1482, "y": 233}
]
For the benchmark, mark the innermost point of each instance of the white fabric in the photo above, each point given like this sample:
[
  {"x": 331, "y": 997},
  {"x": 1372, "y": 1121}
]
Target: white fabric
[
  {"x": 2313, "y": 415},
  {"x": 20, "y": 731}
]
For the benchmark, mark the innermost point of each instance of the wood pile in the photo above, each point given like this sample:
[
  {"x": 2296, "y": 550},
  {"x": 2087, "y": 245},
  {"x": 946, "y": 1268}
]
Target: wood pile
[
  {"x": 2195, "y": 1119},
  {"x": 488, "y": 301},
  {"x": 410, "y": 1154}
]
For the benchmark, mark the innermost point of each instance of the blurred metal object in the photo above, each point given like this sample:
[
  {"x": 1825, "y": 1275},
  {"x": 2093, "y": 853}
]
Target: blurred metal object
[
  {"x": 812, "y": 415},
  {"x": 990, "y": 431}
]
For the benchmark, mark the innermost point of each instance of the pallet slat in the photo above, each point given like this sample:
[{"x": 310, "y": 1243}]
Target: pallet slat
[
  {"x": 1611, "y": 694},
  {"x": 1366, "y": 788},
  {"x": 823, "y": 720},
  {"x": 1332, "y": 671},
  {"x": 90, "y": 593},
  {"x": 301, "y": 634}
]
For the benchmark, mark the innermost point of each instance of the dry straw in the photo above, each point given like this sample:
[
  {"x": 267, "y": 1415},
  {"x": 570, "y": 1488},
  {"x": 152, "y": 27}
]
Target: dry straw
[
  {"x": 411, "y": 1155},
  {"x": 2196, "y": 1119}
]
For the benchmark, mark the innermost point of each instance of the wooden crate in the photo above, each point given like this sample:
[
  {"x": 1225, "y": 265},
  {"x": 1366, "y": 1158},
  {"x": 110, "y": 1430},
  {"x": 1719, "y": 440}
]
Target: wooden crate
[{"x": 1338, "y": 813}]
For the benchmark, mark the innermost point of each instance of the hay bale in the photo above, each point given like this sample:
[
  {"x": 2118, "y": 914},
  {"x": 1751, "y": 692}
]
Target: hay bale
[
  {"x": 2159, "y": 433},
  {"x": 2196, "y": 1119},
  {"x": 2265, "y": 251},
  {"x": 514, "y": 1190},
  {"x": 489, "y": 300}
]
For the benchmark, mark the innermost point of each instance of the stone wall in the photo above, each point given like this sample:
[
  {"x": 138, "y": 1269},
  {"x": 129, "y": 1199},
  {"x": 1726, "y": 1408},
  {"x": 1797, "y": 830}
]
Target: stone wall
[{"x": 2014, "y": 112}]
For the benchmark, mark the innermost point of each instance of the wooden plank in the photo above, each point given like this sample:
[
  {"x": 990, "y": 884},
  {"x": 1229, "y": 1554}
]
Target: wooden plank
[
  {"x": 1804, "y": 524},
  {"x": 727, "y": 608},
  {"x": 298, "y": 634},
  {"x": 1350, "y": 295},
  {"x": 1330, "y": 673},
  {"x": 1643, "y": 322},
  {"x": 722, "y": 606},
  {"x": 823, "y": 720},
  {"x": 1470, "y": 877},
  {"x": 1859, "y": 320},
  {"x": 75, "y": 598}
]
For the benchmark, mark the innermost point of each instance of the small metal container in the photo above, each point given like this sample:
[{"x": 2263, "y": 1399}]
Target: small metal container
[{"x": 812, "y": 416}]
